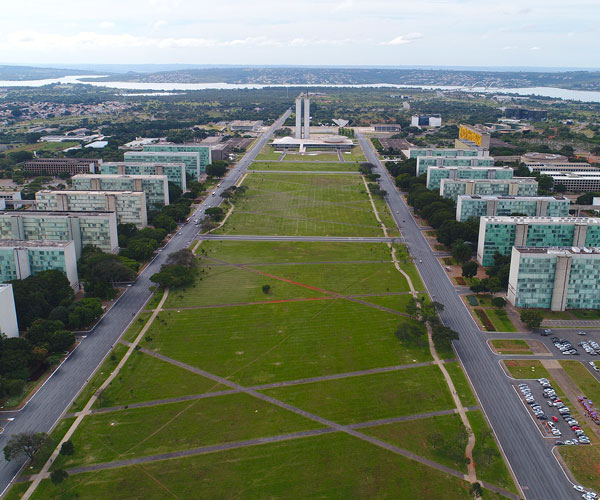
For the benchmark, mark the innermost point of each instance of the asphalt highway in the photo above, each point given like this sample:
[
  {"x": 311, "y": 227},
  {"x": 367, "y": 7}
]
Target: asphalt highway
[
  {"x": 537, "y": 471},
  {"x": 56, "y": 395}
]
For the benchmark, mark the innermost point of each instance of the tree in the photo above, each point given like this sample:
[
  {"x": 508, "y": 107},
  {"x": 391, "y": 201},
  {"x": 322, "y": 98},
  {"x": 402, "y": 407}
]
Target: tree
[
  {"x": 533, "y": 319},
  {"x": 216, "y": 169},
  {"x": 67, "y": 448},
  {"x": 24, "y": 443},
  {"x": 411, "y": 307},
  {"x": 545, "y": 182},
  {"x": 560, "y": 188},
  {"x": 58, "y": 476},
  {"x": 411, "y": 334},
  {"x": 175, "y": 192},
  {"x": 461, "y": 251},
  {"x": 266, "y": 289},
  {"x": 443, "y": 336},
  {"x": 140, "y": 249},
  {"x": 499, "y": 302},
  {"x": 470, "y": 269}
]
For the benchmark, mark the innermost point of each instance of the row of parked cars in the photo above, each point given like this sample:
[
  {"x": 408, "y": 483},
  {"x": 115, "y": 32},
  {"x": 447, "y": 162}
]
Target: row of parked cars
[
  {"x": 564, "y": 346},
  {"x": 555, "y": 402},
  {"x": 530, "y": 400},
  {"x": 591, "y": 347}
]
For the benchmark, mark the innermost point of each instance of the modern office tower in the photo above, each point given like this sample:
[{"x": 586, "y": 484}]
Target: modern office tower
[
  {"x": 156, "y": 187},
  {"x": 8, "y": 314},
  {"x": 473, "y": 134},
  {"x": 129, "y": 206},
  {"x": 84, "y": 228},
  {"x": 19, "y": 259},
  {"x": 555, "y": 278},
  {"x": 56, "y": 166},
  {"x": 306, "y": 134},
  {"x": 386, "y": 127},
  {"x": 298, "y": 133},
  {"x": 445, "y": 152},
  {"x": 500, "y": 234},
  {"x": 175, "y": 172},
  {"x": 468, "y": 206},
  {"x": 424, "y": 162},
  {"x": 436, "y": 174},
  {"x": 518, "y": 186},
  {"x": 426, "y": 121},
  {"x": 534, "y": 114},
  {"x": 190, "y": 159},
  {"x": 203, "y": 151}
]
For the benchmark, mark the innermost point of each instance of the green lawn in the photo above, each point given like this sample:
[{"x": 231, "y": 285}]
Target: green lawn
[
  {"x": 145, "y": 378},
  {"x": 442, "y": 439},
  {"x": 355, "y": 154},
  {"x": 311, "y": 156},
  {"x": 300, "y": 166},
  {"x": 292, "y": 204},
  {"x": 511, "y": 346},
  {"x": 371, "y": 397},
  {"x": 138, "y": 432},
  {"x": 408, "y": 266},
  {"x": 252, "y": 252},
  {"x": 17, "y": 490},
  {"x": 585, "y": 313},
  {"x": 136, "y": 327},
  {"x": 500, "y": 320},
  {"x": 262, "y": 344},
  {"x": 461, "y": 384},
  {"x": 526, "y": 369},
  {"x": 489, "y": 463},
  {"x": 51, "y": 147},
  {"x": 230, "y": 285},
  {"x": 395, "y": 302},
  {"x": 583, "y": 463},
  {"x": 268, "y": 153},
  {"x": 100, "y": 376},
  {"x": 335, "y": 466},
  {"x": 583, "y": 379},
  {"x": 44, "y": 453},
  {"x": 343, "y": 278},
  {"x": 385, "y": 216}
]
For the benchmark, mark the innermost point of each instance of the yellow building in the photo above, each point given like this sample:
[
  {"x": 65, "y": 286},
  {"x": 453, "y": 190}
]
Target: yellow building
[{"x": 474, "y": 134}]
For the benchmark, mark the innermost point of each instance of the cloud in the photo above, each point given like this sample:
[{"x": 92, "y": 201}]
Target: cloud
[
  {"x": 535, "y": 48},
  {"x": 158, "y": 24},
  {"x": 510, "y": 47},
  {"x": 404, "y": 39},
  {"x": 106, "y": 25}
]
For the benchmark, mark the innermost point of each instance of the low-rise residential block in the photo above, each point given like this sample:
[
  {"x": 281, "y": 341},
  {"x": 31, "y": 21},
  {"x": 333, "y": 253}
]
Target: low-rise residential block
[
  {"x": 191, "y": 160},
  {"x": 436, "y": 174},
  {"x": 156, "y": 187},
  {"x": 518, "y": 186},
  {"x": 175, "y": 172},
  {"x": 424, "y": 162}
]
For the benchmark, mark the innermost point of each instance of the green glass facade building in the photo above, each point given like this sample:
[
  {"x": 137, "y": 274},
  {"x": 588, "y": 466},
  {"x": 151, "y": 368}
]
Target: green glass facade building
[
  {"x": 500, "y": 234},
  {"x": 83, "y": 228},
  {"x": 425, "y": 162},
  {"x": 19, "y": 259},
  {"x": 156, "y": 187},
  {"x": 436, "y": 174},
  {"x": 191, "y": 160},
  {"x": 469, "y": 206},
  {"x": 555, "y": 278},
  {"x": 518, "y": 186},
  {"x": 129, "y": 206},
  {"x": 175, "y": 172},
  {"x": 445, "y": 152}
]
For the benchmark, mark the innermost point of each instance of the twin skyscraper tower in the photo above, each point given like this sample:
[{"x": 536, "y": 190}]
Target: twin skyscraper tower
[{"x": 303, "y": 134}]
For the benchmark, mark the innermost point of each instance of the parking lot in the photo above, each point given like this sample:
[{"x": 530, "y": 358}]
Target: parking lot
[{"x": 551, "y": 414}]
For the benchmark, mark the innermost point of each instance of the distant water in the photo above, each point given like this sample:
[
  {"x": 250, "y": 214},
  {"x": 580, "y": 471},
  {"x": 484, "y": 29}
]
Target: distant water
[{"x": 574, "y": 95}]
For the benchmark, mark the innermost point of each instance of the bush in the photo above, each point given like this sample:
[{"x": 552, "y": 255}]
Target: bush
[
  {"x": 498, "y": 302},
  {"x": 67, "y": 448}
]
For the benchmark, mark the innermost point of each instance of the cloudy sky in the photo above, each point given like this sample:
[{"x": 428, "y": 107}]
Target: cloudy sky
[{"x": 550, "y": 33}]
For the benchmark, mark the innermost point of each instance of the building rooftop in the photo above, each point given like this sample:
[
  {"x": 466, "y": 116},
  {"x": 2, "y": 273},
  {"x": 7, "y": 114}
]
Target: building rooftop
[
  {"x": 35, "y": 243},
  {"x": 541, "y": 219},
  {"x": 55, "y": 213},
  {"x": 514, "y": 180},
  {"x": 161, "y": 153},
  {"x": 505, "y": 197},
  {"x": 573, "y": 175},
  {"x": 476, "y": 167},
  {"x": 326, "y": 140},
  {"x": 543, "y": 157},
  {"x": 72, "y": 191},
  {"x": 119, "y": 176},
  {"x": 561, "y": 250}
]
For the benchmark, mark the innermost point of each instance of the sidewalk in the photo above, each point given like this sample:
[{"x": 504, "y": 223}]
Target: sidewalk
[{"x": 572, "y": 323}]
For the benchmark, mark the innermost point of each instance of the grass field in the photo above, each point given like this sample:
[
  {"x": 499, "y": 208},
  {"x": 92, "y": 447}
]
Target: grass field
[
  {"x": 283, "y": 341},
  {"x": 510, "y": 346},
  {"x": 145, "y": 378},
  {"x": 583, "y": 462},
  {"x": 489, "y": 464},
  {"x": 300, "y": 166},
  {"x": 170, "y": 427},
  {"x": 583, "y": 379},
  {"x": 311, "y": 156},
  {"x": 461, "y": 384},
  {"x": 371, "y": 397},
  {"x": 44, "y": 453},
  {"x": 500, "y": 320},
  {"x": 292, "y": 204},
  {"x": 526, "y": 368},
  {"x": 334, "y": 466},
  {"x": 355, "y": 154},
  {"x": 51, "y": 147},
  {"x": 441, "y": 438},
  {"x": 268, "y": 153}
]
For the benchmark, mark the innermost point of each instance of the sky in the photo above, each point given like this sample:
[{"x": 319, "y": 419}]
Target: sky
[{"x": 528, "y": 33}]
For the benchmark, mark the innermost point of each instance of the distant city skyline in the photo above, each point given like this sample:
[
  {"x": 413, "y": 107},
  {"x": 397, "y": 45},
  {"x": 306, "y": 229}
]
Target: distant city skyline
[{"x": 530, "y": 33}]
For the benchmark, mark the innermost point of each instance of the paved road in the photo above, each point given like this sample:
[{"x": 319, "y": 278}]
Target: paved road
[
  {"x": 55, "y": 397},
  {"x": 340, "y": 239},
  {"x": 536, "y": 469}
]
